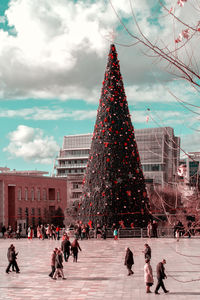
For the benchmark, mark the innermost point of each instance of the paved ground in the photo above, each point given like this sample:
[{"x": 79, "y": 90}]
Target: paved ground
[{"x": 100, "y": 272}]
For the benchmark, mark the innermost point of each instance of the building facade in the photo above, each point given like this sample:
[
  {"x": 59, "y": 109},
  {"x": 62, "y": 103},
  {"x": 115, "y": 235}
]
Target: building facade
[
  {"x": 193, "y": 168},
  {"x": 30, "y": 200},
  {"x": 159, "y": 153},
  {"x": 158, "y": 148}
]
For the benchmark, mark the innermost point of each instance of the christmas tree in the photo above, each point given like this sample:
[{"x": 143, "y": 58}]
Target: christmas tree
[{"x": 113, "y": 187}]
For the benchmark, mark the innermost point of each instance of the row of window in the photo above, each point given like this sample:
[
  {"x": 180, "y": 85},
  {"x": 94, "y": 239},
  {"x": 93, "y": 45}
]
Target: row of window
[
  {"x": 152, "y": 167},
  {"x": 71, "y": 162},
  {"x": 76, "y": 152},
  {"x": 37, "y": 194},
  {"x": 71, "y": 171},
  {"x": 76, "y": 195},
  {"x": 36, "y": 212}
]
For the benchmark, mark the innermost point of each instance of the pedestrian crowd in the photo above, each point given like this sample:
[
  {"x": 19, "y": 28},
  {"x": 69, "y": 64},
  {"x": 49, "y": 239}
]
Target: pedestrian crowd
[
  {"x": 67, "y": 249},
  {"x": 148, "y": 272}
]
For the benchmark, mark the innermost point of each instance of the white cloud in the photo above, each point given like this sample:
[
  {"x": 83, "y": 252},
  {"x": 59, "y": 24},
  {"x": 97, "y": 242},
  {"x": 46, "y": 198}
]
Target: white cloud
[
  {"x": 36, "y": 114},
  {"x": 59, "y": 48},
  {"x": 32, "y": 145}
]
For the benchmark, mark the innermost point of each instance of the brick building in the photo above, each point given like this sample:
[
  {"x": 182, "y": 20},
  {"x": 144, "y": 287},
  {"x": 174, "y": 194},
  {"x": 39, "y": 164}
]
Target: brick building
[{"x": 30, "y": 199}]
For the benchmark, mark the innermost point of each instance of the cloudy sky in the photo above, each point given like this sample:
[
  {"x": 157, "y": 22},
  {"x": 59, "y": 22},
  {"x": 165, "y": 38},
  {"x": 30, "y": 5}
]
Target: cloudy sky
[{"x": 53, "y": 56}]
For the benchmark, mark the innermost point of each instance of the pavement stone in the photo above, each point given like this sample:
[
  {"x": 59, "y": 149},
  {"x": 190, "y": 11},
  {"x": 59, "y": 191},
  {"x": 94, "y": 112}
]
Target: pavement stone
[{"x": 100, "y": 272}]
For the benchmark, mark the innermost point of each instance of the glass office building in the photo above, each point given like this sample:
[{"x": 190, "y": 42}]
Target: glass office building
[{"x": 158, "y": 148}]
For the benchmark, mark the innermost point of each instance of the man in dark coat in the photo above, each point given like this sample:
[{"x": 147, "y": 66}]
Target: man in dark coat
[
  {"x": 155, "y": 229},
  {"x": 129, "y": 261},
  {"x": 160, "y": 270},
  {"x": 65, "y": 247},
  {"x": 147, "y": 251},
  {"x": 12, "y": 255}
]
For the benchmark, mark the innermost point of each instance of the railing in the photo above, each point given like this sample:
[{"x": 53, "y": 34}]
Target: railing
[{"x": 130, "y": 233}]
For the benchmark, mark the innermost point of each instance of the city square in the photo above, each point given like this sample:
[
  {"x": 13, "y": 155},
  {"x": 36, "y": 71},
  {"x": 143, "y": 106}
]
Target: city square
[{"x": 100, "y": 272}]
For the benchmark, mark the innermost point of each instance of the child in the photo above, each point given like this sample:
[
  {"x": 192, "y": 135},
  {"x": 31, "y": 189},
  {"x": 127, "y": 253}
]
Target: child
[{"x": 115, "y": 233}]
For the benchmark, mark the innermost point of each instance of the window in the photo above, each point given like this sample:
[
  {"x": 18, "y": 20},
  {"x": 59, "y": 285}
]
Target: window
[
  {"x": 44, "y": 194},
  {"x": 52, "y": 194},
  {"x": 75, "y": 185},
  {"x": 33, "y": 211},
  {"x": 19, "y": 211},
  {"x": 76, "y": 195},
  {"x": 38, "y": 194},
  {"x": 58, "y": 195},
  {"x": 26, "y": 194},
  {"x": 32, "y": 195},
  {"x": 26, "y": 211},
  {"x": 19, "y": 194},
  {"x": 39, "y": 211}
]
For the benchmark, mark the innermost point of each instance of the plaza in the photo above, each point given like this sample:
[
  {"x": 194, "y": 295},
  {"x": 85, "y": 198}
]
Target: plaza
[{"x": 100, "y": 272}]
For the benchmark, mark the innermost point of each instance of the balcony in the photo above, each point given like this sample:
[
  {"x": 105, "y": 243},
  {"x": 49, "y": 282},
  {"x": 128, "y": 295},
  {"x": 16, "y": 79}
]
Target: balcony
[{"x": 71, "y": 166}]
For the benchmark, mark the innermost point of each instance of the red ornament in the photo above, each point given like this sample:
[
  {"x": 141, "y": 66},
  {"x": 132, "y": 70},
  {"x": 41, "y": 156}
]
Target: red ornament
[{"x": 128, "y": 193}]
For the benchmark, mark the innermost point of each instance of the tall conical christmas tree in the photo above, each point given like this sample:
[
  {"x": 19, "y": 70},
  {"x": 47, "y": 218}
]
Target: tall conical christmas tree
[{"x": 114, "y": 188}]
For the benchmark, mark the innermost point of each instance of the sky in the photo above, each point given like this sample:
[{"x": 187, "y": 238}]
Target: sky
[{"x": 53, "y": 56}]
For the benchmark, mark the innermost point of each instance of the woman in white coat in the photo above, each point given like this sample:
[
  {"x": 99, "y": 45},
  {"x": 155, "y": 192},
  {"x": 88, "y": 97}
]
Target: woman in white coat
[{"x": 148, "y": 275}]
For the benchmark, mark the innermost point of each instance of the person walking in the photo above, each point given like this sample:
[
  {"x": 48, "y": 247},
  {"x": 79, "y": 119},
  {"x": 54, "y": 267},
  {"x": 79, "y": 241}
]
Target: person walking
[
  {"x": 147, "y": 251},
  {"x": 160, "y": 270},
  {"x": 12, "y": 255},
  {"x": 58, "y": 265},
  {"x": 65, "y": 247},
  {"x": 53, "y": 261},
  {"x": 39, "y": 234},
  {"x": 177, "y": 234},
  {"x": 9, "y": 258},
  {"x": 3, "y": 230},
  {"x": 30, "y": 233},
  {"x": 148, "y": 275},
  {"x": 155, "y": 228},
  {"x": 74, "y": 248},
  {"x": 149, "y": 227},
  {"x": 58, "y": 232},
  {"x": 129, "y": 261}
]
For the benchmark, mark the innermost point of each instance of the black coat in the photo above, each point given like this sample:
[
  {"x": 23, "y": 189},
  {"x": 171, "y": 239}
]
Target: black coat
[
  {"x": 160, "y": 270},
  {"x": 147, "y": 253},
  {"x": 129, "y": 258},
  {"x": 65, "y": 245}
]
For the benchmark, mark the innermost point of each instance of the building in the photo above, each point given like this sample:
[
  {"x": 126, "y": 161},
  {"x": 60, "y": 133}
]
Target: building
[
  {"x": 193, "y": 168},
  {"x": 159, "y": 154},
  {"x": 30, "y": 199}
]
